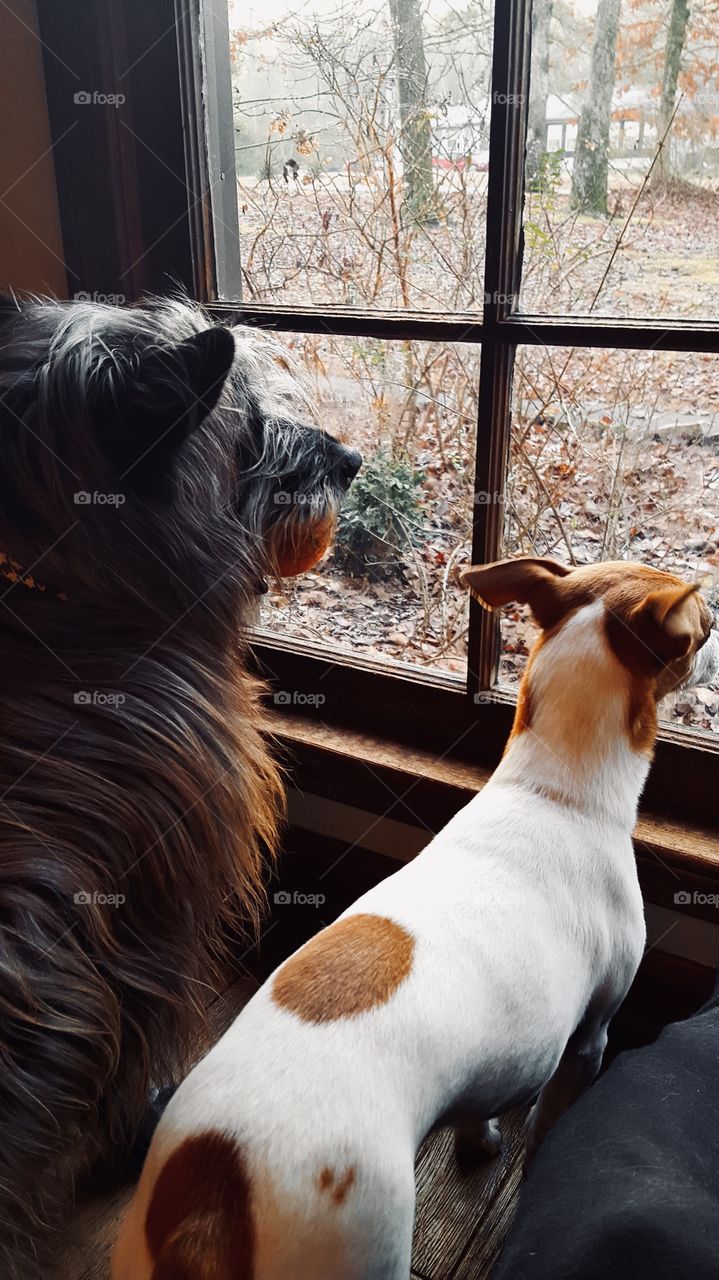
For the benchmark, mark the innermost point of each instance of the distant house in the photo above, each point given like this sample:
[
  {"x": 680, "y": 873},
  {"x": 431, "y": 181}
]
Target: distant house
[
  {"x": 459, "y": 133},
  {"x": 632, "y": 130}
]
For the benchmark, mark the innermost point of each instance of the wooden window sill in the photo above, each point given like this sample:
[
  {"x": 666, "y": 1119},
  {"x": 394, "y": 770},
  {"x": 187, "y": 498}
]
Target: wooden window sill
[{"x": 415, "y": 787}]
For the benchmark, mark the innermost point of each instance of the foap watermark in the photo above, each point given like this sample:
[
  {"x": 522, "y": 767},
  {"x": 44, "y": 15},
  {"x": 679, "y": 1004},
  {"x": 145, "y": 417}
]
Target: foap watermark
[
  {"x": 294, "y": 698},
  {"x": 284, "y": 898},
  {"x": 96, "y": 98},
  {"x": 686, "y": 898},
  {"x": 286, "y": 498},
  {"x": 85, "y": 499},
  {"x": 96, "y": 698},
  {"x": 485, "y": 499},
  {"x": 108, "y": 299},
  {"x": 508, "y": 99},
  {"x": 500, "y": 299},
  {"x": 96, "y": 899}
]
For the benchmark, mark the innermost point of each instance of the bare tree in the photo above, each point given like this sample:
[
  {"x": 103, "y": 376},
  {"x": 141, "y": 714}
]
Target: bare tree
[
  {"x": 538, "y": 88},
  {"x": 676, "y": 36},
  {"x": 589, "y": 176},
  {"x": 415, "y": 141}
]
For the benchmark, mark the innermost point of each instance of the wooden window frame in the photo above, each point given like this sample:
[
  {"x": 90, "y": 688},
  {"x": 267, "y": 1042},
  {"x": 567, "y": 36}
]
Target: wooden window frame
[{"x": 163, "y": 212}]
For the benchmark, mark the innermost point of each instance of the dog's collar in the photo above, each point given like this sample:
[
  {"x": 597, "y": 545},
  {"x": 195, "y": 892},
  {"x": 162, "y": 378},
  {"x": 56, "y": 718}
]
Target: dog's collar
[{"x": 12, "y": 572}]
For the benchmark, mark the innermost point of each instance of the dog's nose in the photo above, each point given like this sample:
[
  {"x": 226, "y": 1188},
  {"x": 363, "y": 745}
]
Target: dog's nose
[{"x": 349, "y": 464}]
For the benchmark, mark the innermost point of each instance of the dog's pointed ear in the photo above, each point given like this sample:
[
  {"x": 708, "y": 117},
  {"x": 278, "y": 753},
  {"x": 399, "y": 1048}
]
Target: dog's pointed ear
[
  {"x": 668, "y": 621},
  {"x": 524, "y": 581},
  {"x": 147, "y": 417}
]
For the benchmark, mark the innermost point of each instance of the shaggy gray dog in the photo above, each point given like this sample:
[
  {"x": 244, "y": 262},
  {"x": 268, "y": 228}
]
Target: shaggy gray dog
[{"x": 154, "y": 469}]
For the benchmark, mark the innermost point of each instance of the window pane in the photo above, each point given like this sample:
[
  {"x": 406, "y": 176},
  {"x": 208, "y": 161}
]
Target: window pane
[
  {"x": 615, "y": 455},
  {"x": 389, "y": 587},
  {"x": 622, "y": 169},
  {"x": 361, "y": 136}
]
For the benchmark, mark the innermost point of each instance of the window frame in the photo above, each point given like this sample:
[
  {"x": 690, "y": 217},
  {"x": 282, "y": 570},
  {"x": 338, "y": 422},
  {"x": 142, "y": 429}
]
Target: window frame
[{"x": 131, "y": 158}]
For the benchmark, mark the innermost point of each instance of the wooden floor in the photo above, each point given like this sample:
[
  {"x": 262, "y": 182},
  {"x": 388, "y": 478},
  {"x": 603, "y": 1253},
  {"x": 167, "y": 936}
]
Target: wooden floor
[{"x": 461, "y": 1217}]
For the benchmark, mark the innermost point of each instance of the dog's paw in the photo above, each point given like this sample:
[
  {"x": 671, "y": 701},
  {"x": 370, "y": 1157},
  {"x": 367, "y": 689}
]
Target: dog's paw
[{"x": 482, "y": 1141}]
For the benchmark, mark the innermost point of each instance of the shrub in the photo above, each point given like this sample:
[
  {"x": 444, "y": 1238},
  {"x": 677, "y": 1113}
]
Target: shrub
[{"x": 381, "y": 517}]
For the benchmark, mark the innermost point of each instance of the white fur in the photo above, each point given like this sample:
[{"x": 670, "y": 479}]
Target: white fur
[{"x": 528, "y": 926}]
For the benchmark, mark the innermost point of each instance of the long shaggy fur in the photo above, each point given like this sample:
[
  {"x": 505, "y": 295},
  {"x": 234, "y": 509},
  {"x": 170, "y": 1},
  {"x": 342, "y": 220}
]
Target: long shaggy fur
[{"x": 132, "y": 762}]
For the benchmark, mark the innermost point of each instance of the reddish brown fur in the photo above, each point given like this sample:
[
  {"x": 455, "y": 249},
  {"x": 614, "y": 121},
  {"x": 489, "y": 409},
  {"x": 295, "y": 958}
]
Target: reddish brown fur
[
  {"x": 353, "y": 966},
  {"x": 299, "y": 544},
  {"x": 199, "y": 1224},
  {"x": 338, "y": 1187}
]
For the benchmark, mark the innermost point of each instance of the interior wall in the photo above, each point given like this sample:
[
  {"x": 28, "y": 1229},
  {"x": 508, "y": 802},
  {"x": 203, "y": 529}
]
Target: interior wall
[{"x": 31, "y": 256}]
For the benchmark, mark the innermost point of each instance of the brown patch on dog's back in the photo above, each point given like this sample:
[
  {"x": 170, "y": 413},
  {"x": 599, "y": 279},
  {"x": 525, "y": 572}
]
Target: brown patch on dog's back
[
  {"x": 199, "y": 1222},
  {"x": 327, "y": 1180},
  {"x": 353, "y": 966}
]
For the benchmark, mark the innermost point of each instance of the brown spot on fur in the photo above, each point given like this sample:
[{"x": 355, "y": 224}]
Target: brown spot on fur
[
  {"x": 353, "y": 966},
  {"x": 327, "y": 1180},
  {"x": 199, "y": 1222}
]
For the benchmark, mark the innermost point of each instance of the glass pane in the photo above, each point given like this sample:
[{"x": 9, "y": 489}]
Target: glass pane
[
  {"x": 361, "y": 143},
  {"x": 622, "y": 168},
  {"x": 389, "y": 587},
  {"x": 615, "y": 456}
]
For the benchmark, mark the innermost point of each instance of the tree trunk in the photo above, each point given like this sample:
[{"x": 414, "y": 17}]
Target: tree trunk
[
  {"x": 538, "y": 89},
  {"x": 415, "y": 141},
  {"x": 589, "y": 177},
  {"x": 676, "y": 35}
]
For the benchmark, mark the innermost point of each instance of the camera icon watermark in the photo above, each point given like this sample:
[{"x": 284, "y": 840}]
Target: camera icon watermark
[
  {"x": 108, "y": 299},
  {"x": 85, "y": 899},
  {"x": 683, "y": 898},
  {"x": 284, "y": 898},
  {"x": 287, "y": 698},
  {"x": 96, "y": 698},
  {"x": 86, "y": 98},
  {"x": 285, "y": 498},
  {"x": 85, "y": 499}
]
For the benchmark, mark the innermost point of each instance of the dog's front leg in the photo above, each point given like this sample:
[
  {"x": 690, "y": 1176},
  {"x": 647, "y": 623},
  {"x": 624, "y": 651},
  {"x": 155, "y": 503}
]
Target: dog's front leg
[{"x": 578, "y": 1067}]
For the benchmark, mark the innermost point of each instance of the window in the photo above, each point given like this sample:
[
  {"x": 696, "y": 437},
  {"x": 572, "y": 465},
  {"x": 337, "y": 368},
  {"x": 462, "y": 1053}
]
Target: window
[
  {"x": 525, "y": 351},
  {"x": 617, "y": 208},
  {"x": 389, "y": 588},
  {"x": 363, "y": 177},
  {"x": 614, "y": 455}
]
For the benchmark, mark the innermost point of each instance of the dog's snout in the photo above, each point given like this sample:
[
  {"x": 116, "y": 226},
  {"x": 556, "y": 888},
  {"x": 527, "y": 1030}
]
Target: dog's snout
[{"x": 349, "y": 463}]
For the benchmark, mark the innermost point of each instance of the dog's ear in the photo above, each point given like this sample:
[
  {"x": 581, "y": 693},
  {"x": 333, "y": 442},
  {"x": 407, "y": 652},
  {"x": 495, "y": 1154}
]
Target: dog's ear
[
  {"x": 524, "y": 581},
  {"x": 668, "y": 621},
  {"x": 143, "y": 418}
]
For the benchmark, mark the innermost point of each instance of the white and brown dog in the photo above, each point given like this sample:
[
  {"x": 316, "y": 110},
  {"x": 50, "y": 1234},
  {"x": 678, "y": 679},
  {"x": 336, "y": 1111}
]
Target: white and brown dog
[{"x": 484, "y": 972}]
